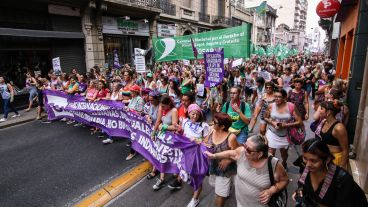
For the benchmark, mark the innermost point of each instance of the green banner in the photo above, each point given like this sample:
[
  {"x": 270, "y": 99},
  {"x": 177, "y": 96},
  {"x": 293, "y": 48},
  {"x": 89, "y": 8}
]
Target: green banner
[{"x": 235, "y": 42}]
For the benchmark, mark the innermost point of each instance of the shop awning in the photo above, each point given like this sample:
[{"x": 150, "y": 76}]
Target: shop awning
[{"x": 40, "y": 33}]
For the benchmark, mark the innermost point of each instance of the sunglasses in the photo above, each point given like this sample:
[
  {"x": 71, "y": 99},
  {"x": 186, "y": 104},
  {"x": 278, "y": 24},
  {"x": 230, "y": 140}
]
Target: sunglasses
[{"x": 249, "y": 151}]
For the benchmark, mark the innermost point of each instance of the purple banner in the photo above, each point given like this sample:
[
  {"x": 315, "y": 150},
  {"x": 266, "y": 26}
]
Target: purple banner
[
  {"x": 169, "y": 153},
  {"x": 214, "y": 63}
]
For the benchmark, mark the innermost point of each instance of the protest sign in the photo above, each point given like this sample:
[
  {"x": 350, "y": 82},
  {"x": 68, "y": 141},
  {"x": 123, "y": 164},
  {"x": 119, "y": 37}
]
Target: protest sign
[
  {"x": 186, "y": 62},
  {"x": 140, "y": 61},
  {"x": 235, "y": 41},
  {"x": 214, "y": 64},
  {"x": 237, "y": 62},
  {"x": 169, "y": 153},
  {"x": 56, "y": 65}
]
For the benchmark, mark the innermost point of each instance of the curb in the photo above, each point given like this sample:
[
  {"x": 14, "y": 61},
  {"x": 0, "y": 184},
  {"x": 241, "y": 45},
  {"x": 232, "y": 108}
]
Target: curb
[
  {"x": 116, "y": 186},
  {"x": 19, "y": 122}
]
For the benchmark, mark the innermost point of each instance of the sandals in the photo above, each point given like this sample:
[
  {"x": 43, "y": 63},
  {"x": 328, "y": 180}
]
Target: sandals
[{"x": 150, "y": 175}]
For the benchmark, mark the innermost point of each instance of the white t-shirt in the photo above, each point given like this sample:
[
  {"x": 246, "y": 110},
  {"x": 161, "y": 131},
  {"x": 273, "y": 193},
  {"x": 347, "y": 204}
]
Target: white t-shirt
[{"x": 198, "y": 130}]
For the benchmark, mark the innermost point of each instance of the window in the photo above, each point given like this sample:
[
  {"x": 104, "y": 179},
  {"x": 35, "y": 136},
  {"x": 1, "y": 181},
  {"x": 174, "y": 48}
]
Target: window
[
  {"x": 187, "y": 3},
  {"x": 221, "y": 8}
]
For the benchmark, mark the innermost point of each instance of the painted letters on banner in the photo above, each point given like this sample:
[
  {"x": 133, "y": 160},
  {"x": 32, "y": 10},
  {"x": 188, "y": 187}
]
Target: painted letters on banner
[
  {"x": 170, "y": 153},
  {"x": 214, "y": 64},
  {"x": 235, "y": 41}
]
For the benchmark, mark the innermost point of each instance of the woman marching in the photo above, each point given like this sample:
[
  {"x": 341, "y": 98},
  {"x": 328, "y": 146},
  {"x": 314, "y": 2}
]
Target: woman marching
[
  {"x": 278, "y": 117},
  {"x": 167, "y": 120},
  {"x": 253, "y": 186},
  {"x": 196, "y": 129},
  {"x": 323, "y": 183}
]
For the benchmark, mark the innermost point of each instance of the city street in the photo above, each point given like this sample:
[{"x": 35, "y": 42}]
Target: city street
[{"x": 56, "y": 164}]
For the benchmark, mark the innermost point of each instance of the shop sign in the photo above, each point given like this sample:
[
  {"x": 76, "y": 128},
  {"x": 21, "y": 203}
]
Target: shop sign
[
  {"x": 140, "y": 61},
  {"x": 113, "y": 25},
  {"x": 166, "y": 30},
  {"x": 327, "y": 8}
]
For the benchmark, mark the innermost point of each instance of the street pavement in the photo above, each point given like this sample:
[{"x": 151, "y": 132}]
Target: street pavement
[
  {"x": 56, "y": 164},
  {"x": 143, "y": 195}
]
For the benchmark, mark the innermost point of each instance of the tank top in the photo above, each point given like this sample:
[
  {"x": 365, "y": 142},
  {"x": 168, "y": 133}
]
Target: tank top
[
  {"x": 4, "y": 91},
  {"x": 213, "y": 168},
  {"x": 298, "y": 100},
  {"x": 164, "y": 90},
  {"x": 248, "y": 80},
  {"x": 114, "y": 96},
  {"x": 175, "y": 98},
  {"x": 265, "y": 105},
  {"x": 250, "y": 182},
  {"x": 167, "y": 118},
  {"x": 279, "y": 117},
  {"x": 286, "y": 82},
  {"x": 237, "y": 81},
  {"x": 327, "y": 137}
]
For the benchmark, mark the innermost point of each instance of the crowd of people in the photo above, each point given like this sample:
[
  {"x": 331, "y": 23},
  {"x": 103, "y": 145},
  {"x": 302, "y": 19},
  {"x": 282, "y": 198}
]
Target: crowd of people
[{"x": 277, "y": 94}]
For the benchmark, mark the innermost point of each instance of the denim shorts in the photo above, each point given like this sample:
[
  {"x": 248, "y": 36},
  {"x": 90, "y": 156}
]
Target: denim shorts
[
  {"x": 242, "y": 136},
  {"x": 32, "y": 93}
]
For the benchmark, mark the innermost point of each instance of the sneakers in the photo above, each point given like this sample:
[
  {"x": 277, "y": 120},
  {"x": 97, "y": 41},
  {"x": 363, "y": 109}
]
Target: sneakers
[
  {"x": 193, "y": 203},
  {"x": 175, "y": 185},
  {"x": 108, "y": 141},
  {"x": 3, "y": 119},
  {"x": 130, "y": 156},
  {"x": 159, "y": 184},
  {"x": 15, "y": 115}
]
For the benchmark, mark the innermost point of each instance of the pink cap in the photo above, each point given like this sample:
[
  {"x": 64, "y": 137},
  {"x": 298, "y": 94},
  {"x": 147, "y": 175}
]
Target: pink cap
[{"x": 194, "y": 107}]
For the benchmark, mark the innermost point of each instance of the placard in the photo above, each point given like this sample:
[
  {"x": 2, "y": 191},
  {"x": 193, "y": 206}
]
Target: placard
[
  {"x": 56, "y": 65},
  {"x": 140, "y": 61}
]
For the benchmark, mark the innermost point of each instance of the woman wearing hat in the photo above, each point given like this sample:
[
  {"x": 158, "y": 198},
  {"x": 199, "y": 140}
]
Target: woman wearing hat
[
  {"x": 195, "y": 129},
  {"x": 136, "y": 105}
]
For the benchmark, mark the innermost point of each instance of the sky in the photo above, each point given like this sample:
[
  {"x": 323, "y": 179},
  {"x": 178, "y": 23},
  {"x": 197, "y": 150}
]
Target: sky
[{"x": 313, "y": 18}]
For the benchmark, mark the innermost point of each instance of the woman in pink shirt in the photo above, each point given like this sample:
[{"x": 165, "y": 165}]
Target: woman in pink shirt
[{"x": 91, "y": 92}]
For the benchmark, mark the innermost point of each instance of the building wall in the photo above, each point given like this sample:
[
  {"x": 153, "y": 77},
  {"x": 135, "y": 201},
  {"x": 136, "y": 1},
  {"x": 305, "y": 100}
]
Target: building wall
[{"x": 348, "y": 29}]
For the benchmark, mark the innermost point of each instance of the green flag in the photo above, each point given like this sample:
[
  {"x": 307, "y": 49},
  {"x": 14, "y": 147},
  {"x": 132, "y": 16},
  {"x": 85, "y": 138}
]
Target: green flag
[{"x": 261, "y": 9}]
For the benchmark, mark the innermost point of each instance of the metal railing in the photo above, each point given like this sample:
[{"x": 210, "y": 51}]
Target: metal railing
[
  {"x": 167, "y": 7},
  {"x": 148, "y": 3},
  {"x": 221, "y": 20},
  {"x": 203, "y": 17}
]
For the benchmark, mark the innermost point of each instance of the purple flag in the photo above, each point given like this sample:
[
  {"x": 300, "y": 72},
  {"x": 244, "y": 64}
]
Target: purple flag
[
  {"x": 195, "y": 51},
  {"x": 116, "y": 59},
  {"x": 214, "y": 63},
  {"x": 169, "y": 153}
]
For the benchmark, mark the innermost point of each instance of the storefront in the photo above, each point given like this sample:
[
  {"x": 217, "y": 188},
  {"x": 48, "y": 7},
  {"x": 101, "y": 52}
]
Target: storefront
[
  {"x": 166, "y": 30},
  {"x": 121, "y": 36},
  {"x": 40, "y": 33}
]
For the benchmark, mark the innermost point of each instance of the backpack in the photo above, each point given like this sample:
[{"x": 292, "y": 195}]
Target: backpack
[
  {"x": 242, "y": 106},
  {"x": 295, "y": 135}
]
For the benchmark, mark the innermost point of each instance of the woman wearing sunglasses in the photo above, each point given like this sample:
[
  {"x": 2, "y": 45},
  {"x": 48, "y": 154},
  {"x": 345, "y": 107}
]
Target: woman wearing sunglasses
[{"x": 252, "y": 182}]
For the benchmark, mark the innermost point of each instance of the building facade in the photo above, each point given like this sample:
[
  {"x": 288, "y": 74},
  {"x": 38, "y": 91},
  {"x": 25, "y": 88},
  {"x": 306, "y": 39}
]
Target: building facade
[
  {"x": 32, "y": 33},
  {"x": 282, "y": 34}
]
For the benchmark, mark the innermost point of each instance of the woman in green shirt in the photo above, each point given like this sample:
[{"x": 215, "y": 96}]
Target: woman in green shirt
[{"x": 187, "y": 83}]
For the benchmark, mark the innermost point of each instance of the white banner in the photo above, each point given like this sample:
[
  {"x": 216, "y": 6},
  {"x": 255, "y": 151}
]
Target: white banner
[
  {"x": 186, "y": 62},
  {"x": 140, "y": 61}
]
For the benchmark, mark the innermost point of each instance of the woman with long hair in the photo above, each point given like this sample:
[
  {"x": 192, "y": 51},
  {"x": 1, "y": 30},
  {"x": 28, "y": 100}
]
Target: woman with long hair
[
  {"x": 167, "y": 120},
  {"x": 323, "y": 183},
  {"x": 299, "y": 97},
  {"x": 31, "y": 83},
  {"x": 174, "y": 92},
  {"x": 333, "y": 132},
  {"x": 261, "y": 108}
]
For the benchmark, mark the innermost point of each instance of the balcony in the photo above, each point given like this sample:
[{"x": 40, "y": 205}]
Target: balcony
[
  {"x": 221, "y": 21},
  {"x": 203, "y": 17},
  {"x": 167, "y": 7},
  {"x": 146, "y": 3}
]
